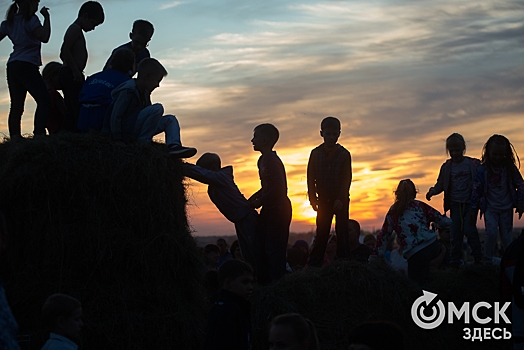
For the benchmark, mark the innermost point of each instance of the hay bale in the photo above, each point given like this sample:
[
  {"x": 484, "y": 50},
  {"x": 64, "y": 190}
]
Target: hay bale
[
  {"x": 105, "y": 223},
  {"x": 340, "y": 296}
]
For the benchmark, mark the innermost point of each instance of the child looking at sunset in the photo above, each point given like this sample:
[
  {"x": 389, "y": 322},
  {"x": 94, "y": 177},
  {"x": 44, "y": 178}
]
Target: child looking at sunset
[
  {"x": 275, "y": 215},
  {"x": 497, "y": 189},
  {"x": 225, "y": 194},
  {"x": 328, "y": 181},
  {"x": 455, "y": 179}
]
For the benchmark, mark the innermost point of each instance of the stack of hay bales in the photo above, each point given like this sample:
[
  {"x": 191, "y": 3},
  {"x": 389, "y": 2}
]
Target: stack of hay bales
[
  {"x": 338, "y": 297},
  {"x": 105, "y": 223}
]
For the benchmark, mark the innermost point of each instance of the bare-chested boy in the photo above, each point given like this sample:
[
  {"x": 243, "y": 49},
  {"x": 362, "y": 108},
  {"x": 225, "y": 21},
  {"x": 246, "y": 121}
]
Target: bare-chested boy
[{"x": 74, "y": 56}]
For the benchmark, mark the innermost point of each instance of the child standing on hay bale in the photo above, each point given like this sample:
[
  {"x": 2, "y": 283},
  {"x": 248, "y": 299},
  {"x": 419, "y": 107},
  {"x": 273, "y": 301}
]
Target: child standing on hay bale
[
  {"x": 95, "y": 95},
  {"x": 226, "y": 196},
  {"x": 411, "y": 220},
  {"x": 292, "y": 331},
  {"x": 140, "y": 36},
  {"x": 455, "y": 179},
  {"x": 132, "y": 117},
  {"x": 328, "y": 181},
  {"x": 73, "y": 54},
  {"x": 229, "y": 325},
  {"x": 275, "y": 215},
  {"x": 497, "y": 189},
  {"x": 62, "y": 314},
  {"x": 23, "y": 27}
]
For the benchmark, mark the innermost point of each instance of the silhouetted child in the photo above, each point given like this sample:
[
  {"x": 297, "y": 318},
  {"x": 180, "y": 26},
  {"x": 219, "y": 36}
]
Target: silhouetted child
[
  {"x": 140, "y": 36},
  {"x": 411, "y": 220},
  {"x": 57, "y": 108},
  {"x": 377, "y": 335},
  {"x": 132, "y": 117},
  {"x": 211, "y": 256},
  {"x": 455, "y": 179},
  {"x": 358, "y": 252},
  {"x": 27, "y": 34},
  {"x": 292, "y": 331},
  {"x": 229, "y": 324},
  {"x": 73, "y": 54},
  {"x": 328, "y": 182},
  {"x": 225, "y": 254},
  {"x": 95, "y": 95},
  {"x": 226, "y": 196},
  {"x": 497, "y": 189},
  {"x": 62, "y": 314},
  {"x": 275, "y": 215}
]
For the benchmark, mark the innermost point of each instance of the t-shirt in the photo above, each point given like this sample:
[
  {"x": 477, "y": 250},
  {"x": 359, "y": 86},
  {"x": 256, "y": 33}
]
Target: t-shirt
[
  {"x": 361, "y": 253},
  {"x": 461, "y": 182},
  {"x": 499, "y": 195},
  {"x": 26, "y": 47}
]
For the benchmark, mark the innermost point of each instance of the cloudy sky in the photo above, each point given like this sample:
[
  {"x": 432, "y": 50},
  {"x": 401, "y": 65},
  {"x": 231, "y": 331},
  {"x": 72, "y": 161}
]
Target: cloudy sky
[{"x": 400, "y": 75}]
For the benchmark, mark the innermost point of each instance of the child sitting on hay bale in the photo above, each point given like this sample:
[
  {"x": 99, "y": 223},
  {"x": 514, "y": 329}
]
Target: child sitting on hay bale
[
  {"x": 132, "y": 117},
  {"x": 62, "y": 314},
  {"x": 226, "y": 196},
  {"x": 229, "y": 325}
]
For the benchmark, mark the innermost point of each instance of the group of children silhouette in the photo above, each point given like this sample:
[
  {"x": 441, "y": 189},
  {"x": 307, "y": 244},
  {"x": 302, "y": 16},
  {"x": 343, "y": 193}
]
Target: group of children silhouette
[{"x": 109, "y": 101}]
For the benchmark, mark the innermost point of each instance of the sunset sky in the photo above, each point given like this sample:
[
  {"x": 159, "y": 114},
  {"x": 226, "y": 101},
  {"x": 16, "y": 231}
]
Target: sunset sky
[{"x": 400, "y": 75}]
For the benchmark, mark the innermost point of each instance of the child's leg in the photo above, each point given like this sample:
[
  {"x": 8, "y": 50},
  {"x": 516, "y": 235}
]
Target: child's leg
[
  {"x": 169, "y": 124},
  {"x": 457, "y": 226},
  {"x": 146, "y": 125},
  {"x": 37, "y": 89},
  {"x": 324, "y": 218},
  {"x": 246, "y": 229},
  {"x": 506, "y": 228},
  {"x": 342, "y": 231},
  {"x": 277, "y": 235},
  {"x": 491, "y": 221},
  {"x": 71, "y": 89},
  {"x": 17, "y": 94},
  {"x": 471, "y": 232}
]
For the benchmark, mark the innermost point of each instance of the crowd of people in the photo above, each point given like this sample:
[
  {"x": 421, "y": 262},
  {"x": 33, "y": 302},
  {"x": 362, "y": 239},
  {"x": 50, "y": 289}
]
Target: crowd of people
[{"x": 113, "y": 102}]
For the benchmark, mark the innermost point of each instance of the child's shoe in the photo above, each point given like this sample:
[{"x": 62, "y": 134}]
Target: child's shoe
[{"x": 181, "y": 151}]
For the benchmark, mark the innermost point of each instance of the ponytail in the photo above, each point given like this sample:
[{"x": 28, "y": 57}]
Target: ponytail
[
  {"x": 11, "y": 12},
  {"x": 22, "y": 7},
  {"x": 404, "y": 193}
]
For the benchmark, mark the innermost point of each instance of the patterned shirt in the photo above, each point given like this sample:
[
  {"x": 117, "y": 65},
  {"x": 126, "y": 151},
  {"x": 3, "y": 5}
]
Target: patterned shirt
[{"x": 412, "y": 228}]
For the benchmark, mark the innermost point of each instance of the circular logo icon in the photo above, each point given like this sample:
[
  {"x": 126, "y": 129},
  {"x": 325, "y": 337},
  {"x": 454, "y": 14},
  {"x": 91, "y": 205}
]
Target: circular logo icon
[{"x": 422, "y": 305}]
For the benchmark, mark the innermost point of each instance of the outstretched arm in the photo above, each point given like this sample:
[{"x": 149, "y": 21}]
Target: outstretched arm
[{"x": 43, "y": 32}]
